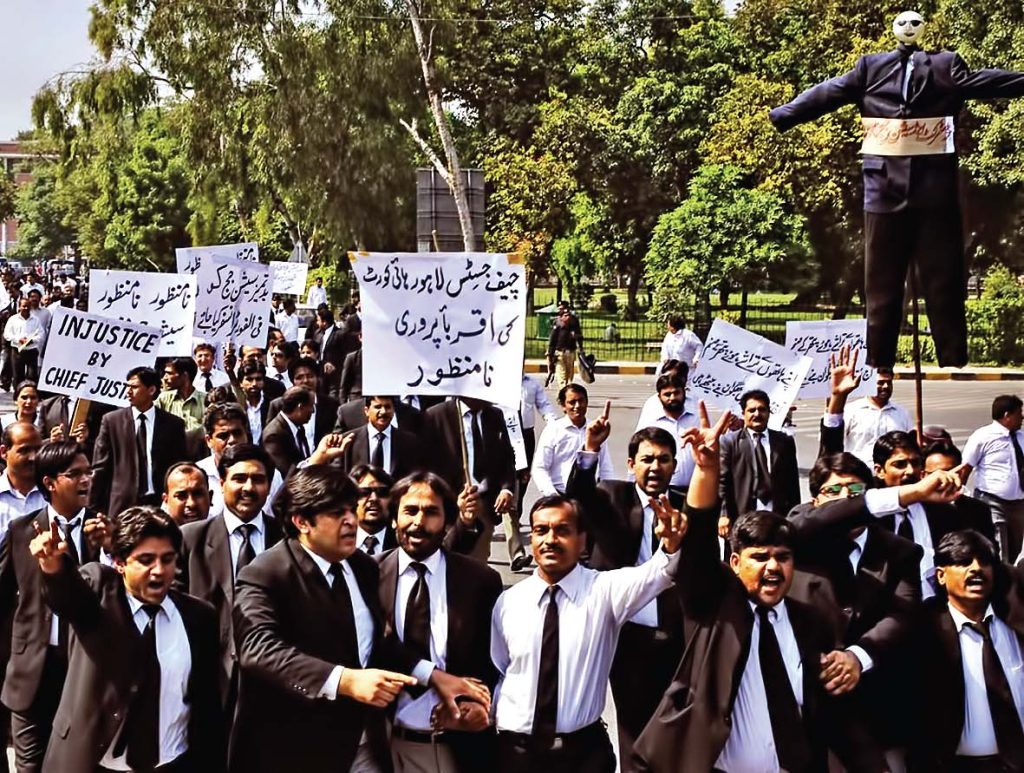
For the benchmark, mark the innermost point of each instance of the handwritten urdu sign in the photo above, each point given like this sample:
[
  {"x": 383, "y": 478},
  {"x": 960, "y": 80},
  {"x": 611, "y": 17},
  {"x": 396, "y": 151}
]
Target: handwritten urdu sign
[
  {"x": 288, "y": 278},
  {"x": 450, "y": 323},
  {"x": 233, "y": 302},
  {"x": 819, "y": 340},
  {"x": 166, "y": 301},
  {"x": 191, "y": 259}
]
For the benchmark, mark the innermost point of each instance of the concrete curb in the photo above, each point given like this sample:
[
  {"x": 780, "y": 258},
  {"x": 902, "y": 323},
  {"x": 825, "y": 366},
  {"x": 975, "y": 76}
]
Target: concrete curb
[{"x": 902, "y": 373}]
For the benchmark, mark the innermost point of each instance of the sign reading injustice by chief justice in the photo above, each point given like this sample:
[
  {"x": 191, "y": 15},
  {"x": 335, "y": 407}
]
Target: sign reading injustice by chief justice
[
  {"x": 735, "y": 360},
  {"x": 820, "y": 340},
  {"x": 89, "y": 356},
  {"x": 443, "y": 323},
  {"x": 167, "y": 301}
]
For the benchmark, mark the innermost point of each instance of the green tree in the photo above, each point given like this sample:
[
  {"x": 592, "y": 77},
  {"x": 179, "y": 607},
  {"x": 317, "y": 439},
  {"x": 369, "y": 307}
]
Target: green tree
[{"x": 41, "y": 215}]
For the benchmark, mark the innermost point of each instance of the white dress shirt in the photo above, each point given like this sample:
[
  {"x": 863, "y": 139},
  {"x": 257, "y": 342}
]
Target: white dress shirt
[
  {"x": 14, "y": 505},
  {"x": 218, "y": 378},
  {"x": 683, "y": 345},
  {"x": 768, "y": 460},
  {"x": 856, "y": 554},
  {"x": 750, "y": 747},
  {"x": 209, "y": 466},
  {"x": 280, "y": 376},
  {"x": 363, "y": 535},
  {"x": 978, "y": 737},
  {"x": 255, "y": 414},
  {"x": 648, "y": 615},
  {"x": 18, "y": 327},
  {"x": 652, "y": 409},
  {"x": 44, "y": 316},
  {"x": 316, "y": 296},
  {"x": 77, "y": 521},
  {"x": 415, "y": 713},
  {"x": 175, "y": 656},
  {"x": 150, "y": 420},
  {"x": 257, "y": 538},
  {"x": 866, "y": 422},
  {"x": 534, "y": 400},
  {"x": 989, "y": 451},
  {"x": 676, "y": 427},
  {"x": 371, "y": 436},
  {"x": 560, "y": 445},
  {"x": 288, "y": 324},
  {"x": 592, "y": 608}
]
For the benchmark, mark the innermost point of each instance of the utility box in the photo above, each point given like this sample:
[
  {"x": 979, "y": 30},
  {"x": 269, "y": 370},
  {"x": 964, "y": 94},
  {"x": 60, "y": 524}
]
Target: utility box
[{"x": 436, "y": 213}]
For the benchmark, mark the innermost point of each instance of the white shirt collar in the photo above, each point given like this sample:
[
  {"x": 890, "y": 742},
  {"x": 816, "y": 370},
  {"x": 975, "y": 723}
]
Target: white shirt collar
[
  {"x": 323, "y": 564},
  {"x": 150, "y": 414},
  {"x": 960, "y": 619},
  {"x": 776, "y": 614},
  {"x": 291, "y": 425},
  {"x": 53, "y": 515},
  {"x": 372, "y": 430},
  {"x": 6, "y": 487},
  {"x": 570, "y": 584},
  {"x": 565, "y": 421},
  {"x": 433, "y": 562},
  {"x": 232, "y": 521},
  {"x": 167, "y": 606},
  {"x": 362, "y": 534}
]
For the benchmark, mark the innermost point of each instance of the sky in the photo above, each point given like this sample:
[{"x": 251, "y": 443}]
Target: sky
[{"x": 41, "y": 38}]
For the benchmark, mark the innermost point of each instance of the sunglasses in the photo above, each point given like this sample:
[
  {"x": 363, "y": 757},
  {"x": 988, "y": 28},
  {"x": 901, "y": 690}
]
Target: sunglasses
[
  {"x": 855, "y": 489},
  {"x": 380, "y": 491}
]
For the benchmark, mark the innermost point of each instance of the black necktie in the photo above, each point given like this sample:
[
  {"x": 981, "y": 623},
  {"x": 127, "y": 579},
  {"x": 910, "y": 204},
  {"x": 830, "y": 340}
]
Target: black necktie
[
  {"x": 300, "y": 440},
  {"x": 280, "y": 377},
  {"x": 209, "y": 383},
  {"x": 787, "y": 726},
  {"x": 763, "y": 486},
  {"x": 1005, "y": 720},
  {"x": 906, "y": 528},
  {"x": 140, "y": 448},
  {"x": 545, "y": 710},
  {"x": 377, "y": 459},
  {"x": 479, "y": 468},
  {"x": 141, "y": 731},
  {"x": 1019, "y": 455},
  {"x": 69, "y": 538},
  {"x": 247, "y": 552},
  {"x": 417, "y": 614},
  {"x": 370, "y": 543},
  {"x": 343, "y": 598}
]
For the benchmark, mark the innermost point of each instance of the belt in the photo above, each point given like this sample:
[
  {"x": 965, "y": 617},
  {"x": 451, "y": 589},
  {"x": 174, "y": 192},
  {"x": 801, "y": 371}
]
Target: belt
[
  {"x": 416, "y": 736},
  {"x": 982, "y": 493},
  {"x": 562, "y": 741}
]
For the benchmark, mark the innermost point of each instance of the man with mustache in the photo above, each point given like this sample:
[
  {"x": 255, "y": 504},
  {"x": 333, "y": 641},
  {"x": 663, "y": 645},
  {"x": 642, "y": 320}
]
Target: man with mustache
[
  {"x": 974, "y": 659},
  {"x": 375, "y": 533},
  {"x": 215, "y": 550},
  {"x": 186, "y": 495},
  {"x": 560, "y": 442}
]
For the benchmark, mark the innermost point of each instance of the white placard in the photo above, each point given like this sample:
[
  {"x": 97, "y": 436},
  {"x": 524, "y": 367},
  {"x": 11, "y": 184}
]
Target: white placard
[
  {"x": 818, "y": 340},
  {"x": 89, "y": 356},
  {"x": 515, "y": 436},
  {"x": 735, "y": 360},
  {"x": 233, "y": 302},
  {"x": 167, "y": 301},
  {"x": 190, "y": 259},
  {"x": 288, "y": 278},
  {"x": 444, "y": 323}
]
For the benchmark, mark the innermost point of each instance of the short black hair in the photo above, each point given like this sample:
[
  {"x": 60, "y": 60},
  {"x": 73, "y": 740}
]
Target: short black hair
[
  {"x": 436, "y": 484},
  {"x": 841, "y": 464},
  {"x": 185, "y": 467},
  {"x": 244, "y": 452},
  {"x": 670, "y": 365},
  {"x": 960, "y": 548},
  {"x": 653, "y": 435},
  {"x": 560, "y": 501},
  {"x": 325, "y": 314},
  {"x": 890, "y": 442},
  {"x": 1005, "y": 404},
  {"x": 677, "y": 321},
  {"x": 138, "y": 523},
  {"x": 379, "y": 473},
  {"x": 218, "y": 412},
  {"x": 252, "y": 368},
  {"x": 367, "y": 399},
  {"x": 184, "y": 366},
  {"x": 760, "y": 528},
  {"x": 221, "y": 394},
  {"x": 313, "y": 490},
  {"x": 755, "y": 394},
  {"x": 295, "y": 397},
  {"x": 303, "y": 362},
  {"x": 204, "y": 346},
  {"x": 571, "y": 387},
  {"x": 146, "y": 375},
  {"x": 54, "y": 458},
  {"x": 289, "y": 349},
  {"x": 670, "y": 380},
  {"x": 945, "y": 448}
]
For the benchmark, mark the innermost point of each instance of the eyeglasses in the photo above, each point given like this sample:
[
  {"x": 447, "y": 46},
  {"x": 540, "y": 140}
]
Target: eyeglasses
[
  {"x": 855, "y": 489},
  {"x": 77, "y": 474},
  {"x": 380, "y": 491}
]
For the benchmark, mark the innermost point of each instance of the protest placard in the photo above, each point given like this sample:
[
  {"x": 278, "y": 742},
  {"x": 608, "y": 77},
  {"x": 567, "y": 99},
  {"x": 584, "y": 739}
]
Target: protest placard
[
  {"x": 88, "y": 356},
  {"x": 515, "y": 436},
  {"x": 735, "y": 360},
  {"x": 445, "y": 323},
  {"x": 167, "y": 301},
  {"x": 818, "y": 340},
  {"x": 190, "y": 259},
  {"x": 288, "y": 278},
  {"x": 233, "y": 302}
]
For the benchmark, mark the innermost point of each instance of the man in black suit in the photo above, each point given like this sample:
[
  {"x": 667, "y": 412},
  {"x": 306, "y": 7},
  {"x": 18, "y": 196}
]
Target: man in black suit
[
  {"x": 272, "y": 388},
  {"x": 284, "y": 438},
  {"x": 141, "y": 691},
  {"x": 352, "y": 415},
  {"x": 974, "y": 690},
  {"x": 380, "y": 443},
  {"x": 305, "y": 372},
  {"x": 309, "y": 629},
  {"x": 38, "y": 664},
  {"x": 454, "y": 635},
  {"x": 621, "y": 518},
  {"x": 911, "y": 208},
  {"x": 759, "y": 465},
  {"x": 135, "y": 447},
  {"x": 251, "y": 382},
  {"x": 351, "y": 386},
  {"x": 215, "y": 550},
  {"x": 374, "y": 533},
  {"x": 488, "y": 461},
  {"x": 333, "y": 348}
]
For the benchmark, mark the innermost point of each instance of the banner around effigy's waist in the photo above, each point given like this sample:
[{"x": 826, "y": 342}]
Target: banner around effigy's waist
[
  {"x": 89, "y": 356},
  {"x": 167, "y": 301},
  {"x": 443, "y": 323},
  {"x": 735, "y": 360},
  {"x": 819, "y": 340}
]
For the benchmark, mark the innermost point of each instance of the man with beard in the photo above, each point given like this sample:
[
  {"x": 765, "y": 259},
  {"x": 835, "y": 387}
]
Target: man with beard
[
  {"x": 251, "y": 380},
  {"x": 868, "y": 418},
  {"x": 186, "y": 494},
  {"x": 621, "y": 518},
  {"x": 439, "y": 605},
  {"x": 675, "y": 419},
  {"x": 560, "y": 442},
  {"x": 215, "y": 550}
]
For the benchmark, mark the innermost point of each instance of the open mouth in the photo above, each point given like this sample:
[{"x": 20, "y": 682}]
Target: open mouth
[
  {"x": 771, "y": 581},
  {"x": 977, "y": 582}
]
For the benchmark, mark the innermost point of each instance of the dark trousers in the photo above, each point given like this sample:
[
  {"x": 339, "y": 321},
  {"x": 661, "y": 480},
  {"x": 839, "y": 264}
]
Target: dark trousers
[
  {"x": 1008, "y": 521},
  {"x": 586, "y": 751},
  {"x": 31, "y": 729},
  {"x": 26, "y": 365},
  {"x": 931, "y": 241},
  {"x": 530, "y": 441}
]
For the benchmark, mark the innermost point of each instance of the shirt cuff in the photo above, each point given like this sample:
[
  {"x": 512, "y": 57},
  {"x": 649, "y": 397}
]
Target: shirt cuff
[
  {"x": 330, "y": 688},
  {"x": 661, "y": 557},
  {"x": 832, "y": 420},
  {"x": 423, "y": 671},
  {"x": 105, "y": 558},
  {"x": 882, "y": 501},
  {"x": 586, "y": 459},
  {"x": 866, "y": 663}
]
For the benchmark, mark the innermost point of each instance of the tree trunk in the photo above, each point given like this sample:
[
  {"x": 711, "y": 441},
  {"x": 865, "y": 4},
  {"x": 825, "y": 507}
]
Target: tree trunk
[
  {"x": 632, "y": 287},
  {"x": 743, "y": 308},
  {"x": 452, "y": 171}
]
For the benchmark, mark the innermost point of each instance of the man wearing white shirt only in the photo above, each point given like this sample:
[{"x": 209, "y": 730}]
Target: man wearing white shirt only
[
  {"x": 317, "y": 294},
  {"x": 680, "y": 343},
  {"x": 25, "y": 334},
  {"x": 561, "y": 441},
  {"x": 868, "y": 418},
  {"x": 209, "y": 377}
]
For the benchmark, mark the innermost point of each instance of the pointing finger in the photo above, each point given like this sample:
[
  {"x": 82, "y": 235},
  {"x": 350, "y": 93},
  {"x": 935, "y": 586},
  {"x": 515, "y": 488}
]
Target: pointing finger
[{"x": 607, "y": 410}]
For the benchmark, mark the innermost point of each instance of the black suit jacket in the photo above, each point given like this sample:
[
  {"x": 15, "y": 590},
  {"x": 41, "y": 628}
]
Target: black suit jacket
[
  {"x": 333, "y": 352},
  {"x": 694, "y": 719},
  {"x": 736, "y": 485},
  {"x": 940, "y": 84},
  {"x": 280, "y": 444},
  {"x": 54, "y": 412},
  {"x": 351, "y": 386},
  {"x": 205, "y": 571},
  {"x": 101, "y": 678},
  {"x": 406, "y": 452},
  {"x": 21, "y": 597},
  {"x": 472, "y": 589},
  {"x": 272, "y": 389},
  {"x": 442, "y": 428},
  {"x": 326, "y": 416},
  {"x": 116, "y": 463},
  {"x": 290, "y": 634},
  {"x": 351, "y": 415}
]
